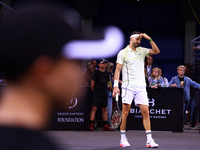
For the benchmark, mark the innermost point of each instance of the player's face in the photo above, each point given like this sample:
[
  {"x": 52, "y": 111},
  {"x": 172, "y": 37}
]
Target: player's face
[
  {"x": 136, "y": 41},
  {"x": 181, "y": 71}
]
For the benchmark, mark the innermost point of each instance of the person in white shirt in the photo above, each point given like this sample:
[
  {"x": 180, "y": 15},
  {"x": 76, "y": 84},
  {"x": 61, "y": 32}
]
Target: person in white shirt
[{"x": 131, "y": 61}]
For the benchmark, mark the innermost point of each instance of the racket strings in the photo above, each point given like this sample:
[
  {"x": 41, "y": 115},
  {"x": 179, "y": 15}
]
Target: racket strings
[{"x": 116, "y": 119}]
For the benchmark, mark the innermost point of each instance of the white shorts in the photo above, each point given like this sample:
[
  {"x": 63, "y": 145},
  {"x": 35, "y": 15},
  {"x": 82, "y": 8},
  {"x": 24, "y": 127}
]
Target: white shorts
[{"x": 139, "y": 95}]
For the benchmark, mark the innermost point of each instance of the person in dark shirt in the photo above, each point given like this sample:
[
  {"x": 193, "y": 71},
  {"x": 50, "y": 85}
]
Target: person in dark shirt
[
  {"x": 149, "y": 65},
  {"x": 99, "y": 87}
]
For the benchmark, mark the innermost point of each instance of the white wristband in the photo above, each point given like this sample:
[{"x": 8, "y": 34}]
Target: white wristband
[{"x": 116, "y": 82}]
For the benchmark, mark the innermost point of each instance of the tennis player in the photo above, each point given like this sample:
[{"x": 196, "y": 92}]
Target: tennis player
[{"x": 131, "y": 61}]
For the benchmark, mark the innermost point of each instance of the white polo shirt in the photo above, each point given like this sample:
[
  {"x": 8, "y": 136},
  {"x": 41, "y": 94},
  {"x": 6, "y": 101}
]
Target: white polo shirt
[{"x": 132, "y": 67}]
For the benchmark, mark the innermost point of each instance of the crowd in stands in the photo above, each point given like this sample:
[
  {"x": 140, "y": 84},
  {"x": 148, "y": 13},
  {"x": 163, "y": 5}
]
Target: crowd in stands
[
  {"x": 154, "y": 79},
  {"x": 185, "y": 79}
]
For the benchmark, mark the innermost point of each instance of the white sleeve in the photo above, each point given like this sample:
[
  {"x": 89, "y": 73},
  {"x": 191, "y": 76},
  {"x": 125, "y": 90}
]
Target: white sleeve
[
  {"x": 120, "y": 57},
  {"x": 145, "y": 51}
]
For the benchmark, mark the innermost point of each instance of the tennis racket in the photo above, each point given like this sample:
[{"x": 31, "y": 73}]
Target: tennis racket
[{"x": 116, "y": 117}]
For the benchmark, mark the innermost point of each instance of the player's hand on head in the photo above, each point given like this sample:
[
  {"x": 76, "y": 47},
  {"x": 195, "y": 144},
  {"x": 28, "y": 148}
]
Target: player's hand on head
[
  {"x": 115, "y": 91},
  {"x": 144, "y": 35}
]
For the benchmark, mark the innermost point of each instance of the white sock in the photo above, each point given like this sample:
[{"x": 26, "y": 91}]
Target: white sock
[
  {"x": 123, "y": 134},
  {"x": 149, "y": 135}
]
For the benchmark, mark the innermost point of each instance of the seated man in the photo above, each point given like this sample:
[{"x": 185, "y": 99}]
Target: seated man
[{"x": 185, "y": 82}]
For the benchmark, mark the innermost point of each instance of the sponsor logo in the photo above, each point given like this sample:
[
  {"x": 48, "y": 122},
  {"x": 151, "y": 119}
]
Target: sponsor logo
[
  {"x": 156, "y": 113},
  {"x": 70, "y": 119},
  {"x": 151, "y": 102},
  {"x": 73, "y": 103}
]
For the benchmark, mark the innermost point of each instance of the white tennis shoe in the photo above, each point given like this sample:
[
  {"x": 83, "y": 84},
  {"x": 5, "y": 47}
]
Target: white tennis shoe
[
  {"x": 124, "y": 143},
  {"x": 151, "y": 144}
]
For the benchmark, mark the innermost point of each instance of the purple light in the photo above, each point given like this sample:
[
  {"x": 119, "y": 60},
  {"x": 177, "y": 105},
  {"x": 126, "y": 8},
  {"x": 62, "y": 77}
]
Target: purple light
[{"x": 105, "y": 48}]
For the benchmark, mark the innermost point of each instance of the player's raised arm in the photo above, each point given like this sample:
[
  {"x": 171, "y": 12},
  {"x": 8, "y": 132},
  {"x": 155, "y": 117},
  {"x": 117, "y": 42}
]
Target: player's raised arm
[
  {"x": 116, "y": 79},
  {"x": 155, "y": 49}
]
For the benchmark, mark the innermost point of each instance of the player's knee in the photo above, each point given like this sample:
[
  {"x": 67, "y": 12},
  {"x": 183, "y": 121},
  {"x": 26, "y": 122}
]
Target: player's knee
[
  {"x": 125, "y": 113},
  {"x": 145, "y": 113}
]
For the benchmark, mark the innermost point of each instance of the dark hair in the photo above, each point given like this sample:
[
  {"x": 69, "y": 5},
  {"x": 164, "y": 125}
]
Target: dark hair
[
  {"x": 30, "y": 33},
  {"x": 135, "y": 32}
]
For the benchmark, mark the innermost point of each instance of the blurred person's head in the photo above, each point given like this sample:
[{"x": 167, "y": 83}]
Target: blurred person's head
[
  {"x": 110, "y": 67},
  {"x": 31, "y": 42},
  {"x": 181, "y": 70},
  {"x": 40, "y": 63},
  {"x": 154, "y": 72},
  {"x": 102, "y": 64}
]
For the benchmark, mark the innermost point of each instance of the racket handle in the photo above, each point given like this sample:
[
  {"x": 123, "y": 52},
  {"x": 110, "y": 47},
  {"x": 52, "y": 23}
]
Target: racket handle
[{"x": 117, "y": 97}]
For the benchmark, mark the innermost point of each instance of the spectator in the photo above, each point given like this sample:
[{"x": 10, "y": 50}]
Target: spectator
[
  {"x": 109, "y": 69},
  {"x": 99, "y": 87},
  {"x": 39, "y": 75},
  {"x": 196, "y": 111},
  {"x": 89, "y": 73},
  {"x": 190, "y": 73},
  {"x": 185, "y": 82},
  {"x": 149, "y": 65},
  {"x": 155, "y": 80},
  {"x": 164, "y": 79},
  {"x": 94, "y": 63}
]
